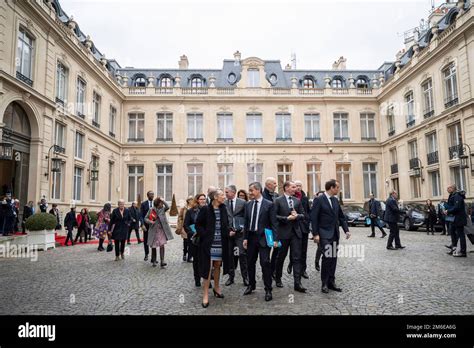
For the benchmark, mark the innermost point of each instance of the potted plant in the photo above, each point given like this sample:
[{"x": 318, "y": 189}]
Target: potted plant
[{"x": 41, "y": 230}]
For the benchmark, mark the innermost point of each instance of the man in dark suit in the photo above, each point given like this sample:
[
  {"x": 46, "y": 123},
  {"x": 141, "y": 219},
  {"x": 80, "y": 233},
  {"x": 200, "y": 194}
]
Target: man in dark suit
[
  {"x": 258, "y": 217},
  {"x": 304, "y": 224},
  {"x": 392, "y": 215},
  {"x": 326, "y": 218},
  {"x": 289, "y": 213},
  {"x": 456, "y": 209},
  {"x": 269, "y": 193},
  {"x": 375, "y": 213},
  {"x": 146, "y": 205},
  {"x": 28, "y": 210},
  {"x": 235, "y": 211}
]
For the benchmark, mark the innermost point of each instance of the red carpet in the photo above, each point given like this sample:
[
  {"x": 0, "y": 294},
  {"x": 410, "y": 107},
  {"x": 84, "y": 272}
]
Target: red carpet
[{"x": 62, "y": 239}]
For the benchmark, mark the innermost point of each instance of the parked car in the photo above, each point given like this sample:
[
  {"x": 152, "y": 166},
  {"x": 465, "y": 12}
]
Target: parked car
[
  {"x": 355, "y": 215},
  {"x": 413, "y": 216}
]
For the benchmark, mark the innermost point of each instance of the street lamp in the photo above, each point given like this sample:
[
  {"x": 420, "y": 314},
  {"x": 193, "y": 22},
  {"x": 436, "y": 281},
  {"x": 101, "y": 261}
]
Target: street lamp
[
  {"x": 418, "y": 169},
  {"x": 6, "y": 148},
  {"x": 56, "y": 162}
]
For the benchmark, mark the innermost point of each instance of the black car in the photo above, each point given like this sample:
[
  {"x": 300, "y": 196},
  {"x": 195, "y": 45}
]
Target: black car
[
  {"x": 413, "y": 215},
  {"x": 355, "y": 215}
]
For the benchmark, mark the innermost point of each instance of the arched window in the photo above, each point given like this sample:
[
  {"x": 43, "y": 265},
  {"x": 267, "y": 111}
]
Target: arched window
[
  {"x": 337, "y": 83},
  {"x": 166, "y": 82},
  {"x": 362, "y": 83},
  {"x": 139, "y": 81},
  {"x": 196, "y": 82},
  {"x": 15, "y": 118},
  {"x": 308, "y": 82}
]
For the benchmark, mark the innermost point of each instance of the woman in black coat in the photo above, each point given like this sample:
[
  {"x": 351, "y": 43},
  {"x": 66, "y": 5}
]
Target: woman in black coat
[
  {"x": 119, "y": 224},
  {"x": 189, "y": 220},
  {"x": 212, "y": 228},
  {"x": 135, "y": 224}
]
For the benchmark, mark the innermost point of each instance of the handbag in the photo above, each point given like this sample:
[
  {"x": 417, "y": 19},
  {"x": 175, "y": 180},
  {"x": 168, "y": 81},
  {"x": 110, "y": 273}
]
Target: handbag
[
  {"x": 269, "y": 238},
  {"x": 110, "y": 247},
  {"x": 450, "y": 218},
  {"x": 368, "y": 221}
]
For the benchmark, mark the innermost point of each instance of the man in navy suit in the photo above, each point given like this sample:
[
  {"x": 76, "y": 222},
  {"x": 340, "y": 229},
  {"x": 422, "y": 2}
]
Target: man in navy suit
[
  {"x": 146, "y": 205},
  {"x": 258, "y": 216},
  {"x": 392, "y": 215},
  {"x": 326, "y": 217}
]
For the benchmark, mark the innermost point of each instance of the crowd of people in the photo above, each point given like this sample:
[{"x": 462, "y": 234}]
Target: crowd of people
[{"x": 230, "y": 229}]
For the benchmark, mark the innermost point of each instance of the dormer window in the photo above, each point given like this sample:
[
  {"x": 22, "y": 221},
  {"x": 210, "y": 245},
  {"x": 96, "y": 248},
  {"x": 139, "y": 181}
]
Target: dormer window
[
  {"x": 196, "y": 82},
  {"x": 139, "y": 81},
  {"x": 361, "y": 83},
  {"x": 308, "y": 83},
  {"x": 253, "y": 78},
  {"x": 273, "y": 79},
  {"x": 337, "y": 83},
  {"x": 166, "y": 82},
  {"x": 232, "y": 78}
]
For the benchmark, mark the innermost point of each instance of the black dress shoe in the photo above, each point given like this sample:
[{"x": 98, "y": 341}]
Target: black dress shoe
[
  {"x": 290, "y": 268},
  {"x": 274, "y": 276},
  {"x": 384, "y": 235},
  {"x": 459, "y": 254},
  {"x": 205, "y": 305},
  {"x": 246, "y": 282},
  {"x": 300, "y": 288},
  {"x": 229, "y": 282},
  {"x": 450, "y": 252},
  {"x": 197, "y": 283},
  {"x": 400, "y": 247},
  {"x": 325, "y": 289},
  {"x": 146, "y": 258},
  {"x": 249, "y": 290},
  {"x": 305, "y": 275},
  {"x": 318, "y": 268},
  {"x": 371, "y": 236},
  {"x": 268, "y": 295},
  {"x": 449, "y": 247},
  {"x": 216, "y": 294},
  {"x": 279, "y": 284},
  {"x": 334, "y": 287},
  {"x": 391, "y": 248}
]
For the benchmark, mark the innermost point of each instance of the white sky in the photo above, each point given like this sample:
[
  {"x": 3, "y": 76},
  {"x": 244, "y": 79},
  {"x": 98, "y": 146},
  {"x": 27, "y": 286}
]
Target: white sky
[{"x": 154, "y": 33}]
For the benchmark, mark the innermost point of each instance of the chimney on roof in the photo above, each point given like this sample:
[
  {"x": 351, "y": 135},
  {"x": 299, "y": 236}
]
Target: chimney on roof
[
  {"x": 339, "y": 64},
  {"x": 183, "y": 62}
]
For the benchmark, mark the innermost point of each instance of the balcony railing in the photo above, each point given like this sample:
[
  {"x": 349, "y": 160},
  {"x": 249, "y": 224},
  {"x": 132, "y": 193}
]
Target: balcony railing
[
  {"x": 369, "y": 139},
  {"x": 283, "y": 139},
  {"x": 411, "y": 121},
  {"x": 60, "y": 101},
  {"x": 163, "y": 90},
  {"x": 339, "y": 91},
  {"x": 59, "y": 149},
  {"x": 164, "y": 139},
  {"x": 194, "y": 140},
  {"x": 451, "y": 101},
  {"x": 24, "y": 79},
  {"x": 95, "y": 124},
  {"x": 311, "y": 91},
  {"x": 194, "y": 90},
  {"x": 394, "y": 168},
  {"x": 112, "y": 134},
  {"x": 80, "y": 114},
  {"x": 225, "y": 140},
  {"x": 342, "y": 138},
  {"x": 391, "y": 132},
  {"x": 414, "y": 163},
  {"x": 281, "y": 91},
  {"x": 364, "y": 91},
  {"x": 456, "y": 151},
  {"x": 254, "y": 140},
  {"x": 135, "y": 140},
  {"x": 432, "y": 157},
  {"x": 312, "y": 139},
  {"x": 428, "y": 113}
]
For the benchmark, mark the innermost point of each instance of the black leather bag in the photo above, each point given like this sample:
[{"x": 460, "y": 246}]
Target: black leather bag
[
  {"x": 110, "y": 247},
  {"x": 195, "y": 239}
]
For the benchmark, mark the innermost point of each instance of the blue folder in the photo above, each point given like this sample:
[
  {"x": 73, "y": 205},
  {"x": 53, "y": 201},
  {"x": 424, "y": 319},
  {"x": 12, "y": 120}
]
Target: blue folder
[
  {"x": 269, "y": 237},
  {"x": 193, "y": 228}
]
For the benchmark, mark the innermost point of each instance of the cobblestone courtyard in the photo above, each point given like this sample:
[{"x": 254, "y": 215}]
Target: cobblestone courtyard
[{"x": 421, "y": 279}]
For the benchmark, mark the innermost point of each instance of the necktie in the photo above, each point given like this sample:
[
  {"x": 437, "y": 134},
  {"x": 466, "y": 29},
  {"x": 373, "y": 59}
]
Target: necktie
[
  {"x": 254, "y": 217},
  {"x": 149, "y": 204},
  {"x": 332, "y": 203},
  {"x": 290, "y": 202},
  {"x": 232, "y": 206}
]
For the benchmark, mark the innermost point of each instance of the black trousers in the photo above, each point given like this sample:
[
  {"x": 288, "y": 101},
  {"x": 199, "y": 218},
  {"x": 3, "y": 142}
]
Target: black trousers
[
  {"x": 273, "y": 259},
  {"x": 430, "y": 224},
  {"x": 254, "y": 251},
  {"x": 329, "y": 263},
  {"x": 193, "y": 251},
  {"x": 145, "y": 241},
  {"x": 137, "y": 233},
  {"x": 294, "y": 243},
  {"x": 186, "y": 243},
  {"x": 69, "y": 237},
  {"x": 119, "y": 246},
  {"x": 319, "y": 253},
  {"x": 78, "y": 234},
  {"x": 394, "y": 234},
  {"x": 236, "y": 243},
  {"x": 457, "y": 234},
  {"x": 443, "y": 225},
  {"x": 373, "y": 224},
  {"x": 304, "y": 253}
]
